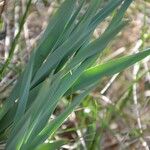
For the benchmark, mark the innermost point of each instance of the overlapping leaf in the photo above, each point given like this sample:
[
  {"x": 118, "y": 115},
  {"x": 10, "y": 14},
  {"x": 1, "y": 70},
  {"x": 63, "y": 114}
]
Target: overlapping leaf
[
  {"x": 94, "y": 74},
  {"x": 62, "y": 65}
]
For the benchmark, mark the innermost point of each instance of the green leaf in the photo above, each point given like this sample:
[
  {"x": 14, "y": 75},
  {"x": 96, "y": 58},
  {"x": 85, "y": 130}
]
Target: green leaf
[
  {"x": 120, "y": 14},
  {"x": 104, "y": 12},
  {"x": 51, "y": 146},
  {"x": 24, "y": 89},
  {"x": 94, "y": 74},
  {"x": 71, "y": 45},
  {"x": 56, "y": 92},
  {"x": 43, "y": 48},
  {"x": 7, "y": 104},
  {"x": 7, "y": 120},
  {"x": 99, "y": 17},
  {"x": 69, "y": 27},
  {"x": 54, "y": 29},
  {"x": 60, "y": 41},
  {"x": 55, "y": 124},
  {"x": 32, "y": 111},
  {"x": 38, "y": 108},
  {"x": 97, "y": 46},
  {"x": 16, "y": 142}
]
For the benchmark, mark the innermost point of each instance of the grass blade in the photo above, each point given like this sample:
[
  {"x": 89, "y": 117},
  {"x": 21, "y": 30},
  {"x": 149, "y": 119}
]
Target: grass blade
[
  {"x": 97, "y": 46},
  {"x": 54, "y": 125},
  {"x": 51, "y": 146},
  {"x": 53, "y": 31},
  {"x": 94, "y": 74},
  {"x": 25, "y": 88},
  {"x": 18, "y": 139}
]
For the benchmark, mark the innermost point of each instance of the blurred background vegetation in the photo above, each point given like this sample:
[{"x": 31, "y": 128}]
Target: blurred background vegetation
[{"x": 116, "y": 115}]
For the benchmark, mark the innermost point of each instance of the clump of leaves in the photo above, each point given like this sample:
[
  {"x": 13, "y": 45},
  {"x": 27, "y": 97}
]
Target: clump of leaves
[{"x": 62, "y": 64}]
